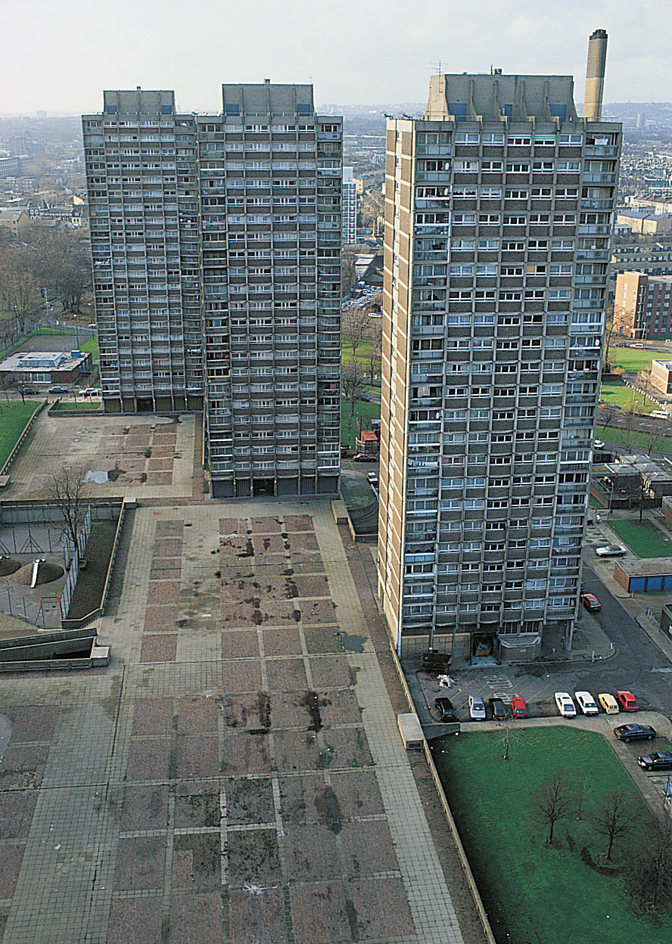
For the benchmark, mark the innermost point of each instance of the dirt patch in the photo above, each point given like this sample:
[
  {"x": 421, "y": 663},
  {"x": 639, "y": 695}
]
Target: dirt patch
[
  {"x": 46, "y": 573},
  {"x": 8, "y": 566}
]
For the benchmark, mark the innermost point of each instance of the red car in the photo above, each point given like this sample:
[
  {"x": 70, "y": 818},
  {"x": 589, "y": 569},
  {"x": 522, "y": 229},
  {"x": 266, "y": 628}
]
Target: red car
[
  {"x": 364, "y": 457},
  {"x": 627, "y": 701},
  {"x": 518, "y": 707},
  {"x": 591, "y": 603}
]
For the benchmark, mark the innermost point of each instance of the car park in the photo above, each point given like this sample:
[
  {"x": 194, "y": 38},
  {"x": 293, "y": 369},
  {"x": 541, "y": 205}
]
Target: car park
[
  {"x": 591, "y": 603},
  {"x": 58, "y": 389},
  {"x": 518, "y": 707},
  {"x": 608, "y": 703},
  {"x": 635, "y": 732},
  {"x": 658, "y": 760},
  {"x": 611, "y": 550},
  {"x": 476, "y": 708},
  {"x": 627, "y": 701},
  {"x": 364, "y": 457},
  {"x": 565, "y": 705},
  {"x": 498, "y": 709},
  {"x": 586, "y": 703},
  {"x": 445, "y": 708}
]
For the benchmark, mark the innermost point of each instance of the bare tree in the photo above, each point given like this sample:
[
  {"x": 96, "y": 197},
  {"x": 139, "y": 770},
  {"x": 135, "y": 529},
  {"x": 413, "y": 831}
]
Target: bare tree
[
  {"x": 348, "y": 271},
  {"x": 554, "y": 801},
  {"x": 354, "y": 326},
  {"x": 352, "y": 384},
  {"x": 376, "y": 335},
  {"x": 582, "y": 791},
  {"x": 508, "y": 734},
  {"x": 648, "y": 872},
  {"x": 70, "y": 493},
  {"x": 373, "y": 209},
  {"x": 642, "y": 384},
  {"x": 615, "y": 817}
]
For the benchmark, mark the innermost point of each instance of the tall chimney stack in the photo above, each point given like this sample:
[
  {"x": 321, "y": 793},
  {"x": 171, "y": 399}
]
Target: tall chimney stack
[{"x": 597, "y": 63}]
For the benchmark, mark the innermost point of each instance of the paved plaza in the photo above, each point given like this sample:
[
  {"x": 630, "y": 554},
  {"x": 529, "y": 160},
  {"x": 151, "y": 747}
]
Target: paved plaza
[{"x": 236, "y": 773}]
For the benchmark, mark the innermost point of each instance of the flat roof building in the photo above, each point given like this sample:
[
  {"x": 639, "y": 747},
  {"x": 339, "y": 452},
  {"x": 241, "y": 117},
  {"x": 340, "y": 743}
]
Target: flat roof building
[
  {"x": 216, "y": 243},
  {"x": 498, "y": 219}
]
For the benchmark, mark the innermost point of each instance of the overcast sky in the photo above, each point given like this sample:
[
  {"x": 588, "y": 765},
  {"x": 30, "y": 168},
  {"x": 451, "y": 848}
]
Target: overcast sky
[{"x": 59, "y": 55}]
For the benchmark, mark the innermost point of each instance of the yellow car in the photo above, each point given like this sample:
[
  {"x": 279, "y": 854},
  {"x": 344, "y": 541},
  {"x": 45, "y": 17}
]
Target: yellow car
[{"x": 608, "y": 703}]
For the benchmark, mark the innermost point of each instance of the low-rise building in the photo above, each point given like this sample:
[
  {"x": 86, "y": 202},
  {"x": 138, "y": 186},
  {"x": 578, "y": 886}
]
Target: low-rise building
[{"x": 45, "y": 367}]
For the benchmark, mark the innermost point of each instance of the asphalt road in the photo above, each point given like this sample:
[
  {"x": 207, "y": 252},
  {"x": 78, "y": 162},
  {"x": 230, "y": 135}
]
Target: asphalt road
[{"x": 637, "y": 665}]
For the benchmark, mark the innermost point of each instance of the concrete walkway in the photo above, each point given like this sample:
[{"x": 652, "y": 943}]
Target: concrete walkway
[{"x": 236, "y": 774}]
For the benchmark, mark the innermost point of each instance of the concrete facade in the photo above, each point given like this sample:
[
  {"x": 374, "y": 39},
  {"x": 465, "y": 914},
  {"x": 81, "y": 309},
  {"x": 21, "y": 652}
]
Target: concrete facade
[
  {"x": 499, "y": 210},
  {"x": 216, "y": 256}
]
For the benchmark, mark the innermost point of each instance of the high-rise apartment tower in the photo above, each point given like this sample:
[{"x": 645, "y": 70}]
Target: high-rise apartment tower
[
  {"x": 499, "y": 209},
  {"x": 349, "y": 206},
  {"x": 216, "y": 259}
]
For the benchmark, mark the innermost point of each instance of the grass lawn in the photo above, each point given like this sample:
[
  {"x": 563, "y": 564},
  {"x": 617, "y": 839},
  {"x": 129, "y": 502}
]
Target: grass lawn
[
  {"x": 13, "y": 420},
  {"x": 80, "y": 405},
  {"x": 533, "y": 893},
  {"x": 633, "y": 360},
  {"x": 644, "y": 539},
  {"x": 366, "y": 411},
  {"x": 617, "y": 394},
  {"x": 635, "y": 442},
  {"x": 90, "y": 346}
]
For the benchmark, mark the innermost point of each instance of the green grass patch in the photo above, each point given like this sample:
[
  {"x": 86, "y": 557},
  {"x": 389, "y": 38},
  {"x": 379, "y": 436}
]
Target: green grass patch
[
  {"x": 617, "y": 394},
  {"x": 91, "y": 347},
  {"x": 633, "y": 360},
  {"x": 532, "y": 892},
  {"x": 643, "y": 538},
  {"x": 349, "y": 421},
  {"x": 70, "y": 405},
  {"x": 14, "y": 417},
  {"x": 635, "y": 442}
]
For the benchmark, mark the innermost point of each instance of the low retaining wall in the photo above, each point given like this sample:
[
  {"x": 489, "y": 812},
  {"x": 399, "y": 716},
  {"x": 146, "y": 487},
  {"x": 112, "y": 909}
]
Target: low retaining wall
[
  {"x": 94, "y": 614},
  {"x": 473, "y": 888},
  {"x": 47, "y": 652}
]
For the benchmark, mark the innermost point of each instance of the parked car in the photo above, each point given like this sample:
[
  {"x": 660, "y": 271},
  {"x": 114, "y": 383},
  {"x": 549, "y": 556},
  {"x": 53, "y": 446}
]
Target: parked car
[
  {"x": 364, "y": 457},
  {"x": 591, "y": 603},
  {"x": 498, "y": 709},
  {"x": 586, "y": 703},
  {"x": 598, "y": 444},
  {"x": 608, "y": 703},
  {"x": 627, "y": 701},
  {"x": 373, "y": 479},
  {"x": 611, "y": 550},
  {"x": 518, "y": 707},
  {"x": 658, "y": 760},
  {"x": 30, "y": 392},
  {"x": 58, "y": 389},
  {"x": 565, "y": 705},
  {"x": 445, "y": 708},
  {"x": 476, "y": 708},
  {"x": 92, "y": 392},
  {"x": 635, "y": 732}
]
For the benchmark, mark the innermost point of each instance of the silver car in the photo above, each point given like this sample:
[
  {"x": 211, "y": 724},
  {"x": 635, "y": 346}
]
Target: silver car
[{"x": 476, "y": 708}]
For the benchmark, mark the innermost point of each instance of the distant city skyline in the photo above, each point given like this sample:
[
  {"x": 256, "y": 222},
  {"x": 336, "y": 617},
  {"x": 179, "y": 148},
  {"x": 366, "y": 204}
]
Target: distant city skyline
[{"x": 59, "y": 57}]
